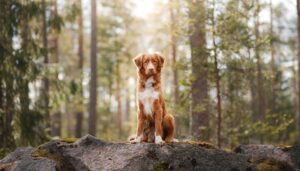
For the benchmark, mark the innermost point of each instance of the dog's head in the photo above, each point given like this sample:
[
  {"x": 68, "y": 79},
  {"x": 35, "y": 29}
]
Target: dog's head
[{"x": 149, "y": 64}]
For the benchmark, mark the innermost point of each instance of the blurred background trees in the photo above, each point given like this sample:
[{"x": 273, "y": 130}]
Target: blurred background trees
[{"x": 231, "y": 73}]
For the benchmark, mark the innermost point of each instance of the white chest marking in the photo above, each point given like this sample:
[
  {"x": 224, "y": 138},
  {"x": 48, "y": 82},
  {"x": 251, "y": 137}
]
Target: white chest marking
[{"x": 148, "y": 96}]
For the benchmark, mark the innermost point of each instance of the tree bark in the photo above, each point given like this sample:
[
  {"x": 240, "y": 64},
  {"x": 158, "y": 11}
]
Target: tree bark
[
  {"x": 118, "y": 96},
  {"x": 298, "y": 93},
  {"x": 45, "y": 87},
  {"x": 173, "y": 42},
  {"x": 259, "y": 78},
  {"x": 217, "y": 78},
  {"x": 273, "y": 69},
  {"x": 79, "y": 113},
  {"x": 2, "y": 124},
  {"x": 260, "y": 87},
  {"x": 56, "y": 37},
  {"x": 7, "y": 81},
  {"x": 24, "y": 83},
  {"x": 93, "y": 83},
  {"x": 200, "y": 120},
  {"x": 56, "y": 124},
  {"x": 127, "y": 105}
]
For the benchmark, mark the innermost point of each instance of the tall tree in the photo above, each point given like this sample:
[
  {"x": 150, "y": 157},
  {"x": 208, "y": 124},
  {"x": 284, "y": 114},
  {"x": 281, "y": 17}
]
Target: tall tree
[
  {"x": 273, "y": 88},
  {"x": 118, "y": 98},
  {"x": 217, "y": 76},
  {"x": 79, "y": 113},
  {"x": 259, "y": 77},
  {"x": 45, "y": 87},
  {"x": 173, "y": 43},
  {"x": 24, "y": 83},
  {"x": 56, "y": 121},
  {"x": 93, "y": 83},
  {"x": 199, "y": 58},
  {"x": 7, "y": 111},
  {"x": 298, "y": 96}
]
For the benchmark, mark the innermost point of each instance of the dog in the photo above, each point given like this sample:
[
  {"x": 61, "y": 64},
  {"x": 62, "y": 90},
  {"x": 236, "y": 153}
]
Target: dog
[{"x": 154, "y": 123}]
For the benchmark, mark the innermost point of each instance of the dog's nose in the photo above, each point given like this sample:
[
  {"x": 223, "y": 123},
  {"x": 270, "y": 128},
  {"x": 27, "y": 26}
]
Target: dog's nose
[{"x": 150, "y": 66}]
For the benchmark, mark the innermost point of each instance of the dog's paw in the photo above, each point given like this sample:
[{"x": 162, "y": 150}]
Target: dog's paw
[
  {"x": 158, "y": 140},
  {"x": 135, "y": 140},
  {"x": 175, "y": 140}
]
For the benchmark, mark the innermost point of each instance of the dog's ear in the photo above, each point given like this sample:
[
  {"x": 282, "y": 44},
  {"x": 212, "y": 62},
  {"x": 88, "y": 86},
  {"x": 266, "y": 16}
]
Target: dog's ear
[
  {"x": 138, "y": 60},
  {"x": 160, "y": 58}
]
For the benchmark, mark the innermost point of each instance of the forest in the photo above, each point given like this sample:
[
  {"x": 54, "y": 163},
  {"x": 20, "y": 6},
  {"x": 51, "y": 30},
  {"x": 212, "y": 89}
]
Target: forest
[{"x": 231, "y": 74}]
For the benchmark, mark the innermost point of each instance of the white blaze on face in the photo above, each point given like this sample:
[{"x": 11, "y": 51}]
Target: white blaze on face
[
  {"x": 149, "y": 66},
  {"x": 148, "y": 96}
]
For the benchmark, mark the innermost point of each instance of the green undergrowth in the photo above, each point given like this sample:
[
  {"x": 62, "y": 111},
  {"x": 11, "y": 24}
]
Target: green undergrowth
[{"x": 4, "y": 152}]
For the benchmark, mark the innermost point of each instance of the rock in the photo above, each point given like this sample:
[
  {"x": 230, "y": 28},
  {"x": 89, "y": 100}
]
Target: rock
[
  {"x": 21, "y": 159},
  {"x": 286, "y": 155},
  {"x": 294, "y": 152},
  {"x": 89, "y": 153}
]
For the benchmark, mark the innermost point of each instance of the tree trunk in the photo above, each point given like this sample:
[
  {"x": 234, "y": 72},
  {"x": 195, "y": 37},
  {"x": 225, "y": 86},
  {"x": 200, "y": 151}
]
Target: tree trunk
[
  {"x": 174, "y": 54},
  {"x": 273, "y": 85},
  {"x": 56, "y": 37},
  {"x": 9, "y": 106},
  {"x": 57, "y": 122},
  {"x": 79, "y": 114},
  {"x": 174, "y": 88},
  {"x": 260, "y": 87},
  {"x": 7, "y": 82},
  {"x": 93, "y": 83},
  {"x": 298, "y": 115},
  {"x": 259, "y": 81},
  {"x": 217, "y": 78},
  {"x": 253, "y": 93},
  {"x": 24, "y": 84},
  {"x": 200, "y": 119},
  {"x": 118, "y": 96},
  {"x": 1, "y": 110},
  {"x": 127, "y": 104},
  {"x": 45, "y": 86},
  {"x": 78, "y": 128}
]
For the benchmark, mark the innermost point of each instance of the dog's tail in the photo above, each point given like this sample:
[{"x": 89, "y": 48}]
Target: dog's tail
[{"x": 169, "y": 128}]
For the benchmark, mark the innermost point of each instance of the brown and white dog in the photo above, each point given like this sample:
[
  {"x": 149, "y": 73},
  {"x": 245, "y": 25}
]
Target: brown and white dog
[{"x": 154, "y": 123}]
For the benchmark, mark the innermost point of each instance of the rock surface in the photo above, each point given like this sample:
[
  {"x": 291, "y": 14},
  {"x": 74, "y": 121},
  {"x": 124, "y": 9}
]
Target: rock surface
[
  {"x": 89, "y": 153},
  {"x": 285, "y": 154},
  {"x": 21, "y": 159}
]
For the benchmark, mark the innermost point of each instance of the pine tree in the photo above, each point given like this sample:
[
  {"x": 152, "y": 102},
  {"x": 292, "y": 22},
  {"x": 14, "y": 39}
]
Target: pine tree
[
  {"x": 93, "y": 83},
  {"x": 200, "y": 112}
]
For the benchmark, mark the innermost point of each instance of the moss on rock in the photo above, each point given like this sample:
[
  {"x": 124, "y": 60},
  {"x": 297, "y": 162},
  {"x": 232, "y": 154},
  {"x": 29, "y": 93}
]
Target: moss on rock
[
  {"x": 160, "y": 166},
  {"x": 284, "y": 147},
  {"x": 201, "y": 144},
  {"x": 270, "y": 164},
  {"x": 69, "y": 140}
]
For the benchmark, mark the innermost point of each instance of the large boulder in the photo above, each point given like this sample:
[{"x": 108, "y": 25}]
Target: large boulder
[
  {"x": 89, "y": 153},
  {"x": 21, "y": 159},
  {"x": 290, "y": 155}
]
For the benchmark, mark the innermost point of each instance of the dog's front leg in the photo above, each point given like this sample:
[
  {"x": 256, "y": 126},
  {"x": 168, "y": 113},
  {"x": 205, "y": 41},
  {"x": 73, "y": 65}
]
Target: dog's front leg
[
  {"x": 158, "y": 123},
  {"x": 140, "y": 128}
]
